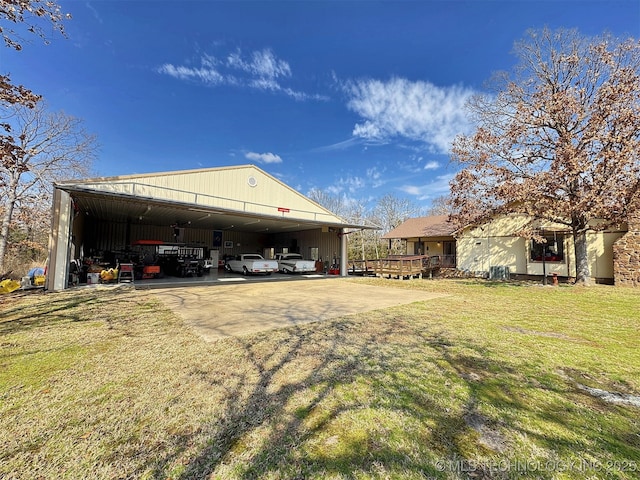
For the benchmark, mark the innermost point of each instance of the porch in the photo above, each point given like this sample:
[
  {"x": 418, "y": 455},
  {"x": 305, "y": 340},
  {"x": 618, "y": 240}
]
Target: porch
[{"x": 402, "y": 266}]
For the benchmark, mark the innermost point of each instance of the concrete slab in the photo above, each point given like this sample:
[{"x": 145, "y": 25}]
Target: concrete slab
[{"x": 239, "y": 309}]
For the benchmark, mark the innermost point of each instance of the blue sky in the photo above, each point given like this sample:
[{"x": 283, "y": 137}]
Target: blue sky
[{"x": 359, "y": 99}]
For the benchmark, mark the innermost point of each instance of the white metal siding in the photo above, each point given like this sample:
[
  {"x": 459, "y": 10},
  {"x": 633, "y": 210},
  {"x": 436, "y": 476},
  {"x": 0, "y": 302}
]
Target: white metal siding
[
  {"x": 225, "y": 188},
  {"x": 59, "y": 242}
]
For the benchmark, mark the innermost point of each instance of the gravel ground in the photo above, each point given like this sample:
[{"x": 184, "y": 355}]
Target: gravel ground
[{"x": 237, "y": 309}]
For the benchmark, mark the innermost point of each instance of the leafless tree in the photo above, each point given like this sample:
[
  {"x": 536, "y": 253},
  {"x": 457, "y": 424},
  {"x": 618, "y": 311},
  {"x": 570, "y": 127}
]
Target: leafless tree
[
  {"x": 359, "y": 243},
  {"x": 334, "y": 203},
  {"x": 391, "y": 211},
  {"x": 29, "y": 233},
  {"x": 441, "y": 205},
  {"x": 559, "y": 138},
  {"x": 388, "y": 212},
  {"x": 50, "y": 147}
]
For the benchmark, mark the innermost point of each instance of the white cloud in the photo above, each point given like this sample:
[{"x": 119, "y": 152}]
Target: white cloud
[
  {"x": 432, "y": 165},
  {"x": 262, "y": 64},
  {"x": 334, "y": 190},
  {"x": 352, "y": 184},
  {"x": 260, "y": 70},
  {"x": 412, "y": 189},
  {"x": 209, "y": 61},
  {"x": 205, "y": 75},
  {"x": 376, "y": 177},
  {"x": 419, "y": 111},
  {"x": 300, "y": 96},
  {"x": 265, "y": 64},
  {"x": 367, "y": 130},
  {"x": 439, "y": 186},
  {"x": 94, "y": 11},
  {"x": 263, "y": 157},
  {"x": 265, "y": 84}
]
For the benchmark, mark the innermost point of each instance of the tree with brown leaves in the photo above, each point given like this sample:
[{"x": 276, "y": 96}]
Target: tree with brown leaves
[
  {"x": 28, "y": 15},
  {"x": 559, "y": 139},
  {"x": 17, "y": 16}
]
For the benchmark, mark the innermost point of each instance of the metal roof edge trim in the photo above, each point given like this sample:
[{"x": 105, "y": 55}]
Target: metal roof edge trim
[
  {"x": 79, "y": 189},
  {"x": 156, "y": 174}
]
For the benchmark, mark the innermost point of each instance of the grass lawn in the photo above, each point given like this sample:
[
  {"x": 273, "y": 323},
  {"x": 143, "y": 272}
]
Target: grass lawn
[{"x": 493, "y": 381}]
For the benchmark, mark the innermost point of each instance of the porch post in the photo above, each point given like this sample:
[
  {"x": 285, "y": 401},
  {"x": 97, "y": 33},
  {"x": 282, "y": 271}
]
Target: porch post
[
  {"x": 343, "y": 253},
  {"x": 59, "y": 242}
]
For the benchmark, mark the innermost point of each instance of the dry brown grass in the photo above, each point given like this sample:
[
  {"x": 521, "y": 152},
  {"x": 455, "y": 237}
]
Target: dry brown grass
[{"x": 107, "y": 383}]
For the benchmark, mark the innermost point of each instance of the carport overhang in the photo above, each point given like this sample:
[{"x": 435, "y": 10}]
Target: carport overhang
[{"x": 71, "y": 200}]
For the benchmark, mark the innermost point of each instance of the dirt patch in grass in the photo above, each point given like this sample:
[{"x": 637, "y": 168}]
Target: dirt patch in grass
[
  {"x": 524, "y": 331},
  {"x": 612, "y": 397},
  {"x": 233, "y": 310}
]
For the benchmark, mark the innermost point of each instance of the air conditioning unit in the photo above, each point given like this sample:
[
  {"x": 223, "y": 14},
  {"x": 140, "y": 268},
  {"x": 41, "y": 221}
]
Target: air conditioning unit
[{"x": 499, "y": 272}]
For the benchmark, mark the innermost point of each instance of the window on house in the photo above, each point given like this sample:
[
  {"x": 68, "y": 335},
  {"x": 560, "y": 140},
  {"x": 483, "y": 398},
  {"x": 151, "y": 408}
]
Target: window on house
[{"x": 552, "y": 250}]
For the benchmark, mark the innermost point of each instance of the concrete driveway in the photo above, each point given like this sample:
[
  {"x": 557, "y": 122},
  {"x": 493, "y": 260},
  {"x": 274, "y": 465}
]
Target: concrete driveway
[{"x": 218, "y": 311}]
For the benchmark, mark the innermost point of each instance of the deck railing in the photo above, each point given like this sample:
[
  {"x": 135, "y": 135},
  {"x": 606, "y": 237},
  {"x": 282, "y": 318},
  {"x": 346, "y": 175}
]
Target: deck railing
[
  {"x": 444, "y": 261},
  {"x": 401, "y": 265}
]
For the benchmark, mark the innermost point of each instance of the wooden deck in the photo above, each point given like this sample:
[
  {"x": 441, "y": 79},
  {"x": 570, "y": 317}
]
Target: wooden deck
[{"x": 402, "y": 266}]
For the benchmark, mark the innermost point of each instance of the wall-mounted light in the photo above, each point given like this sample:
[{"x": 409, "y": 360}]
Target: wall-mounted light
[{"x": 144, "y": 212}]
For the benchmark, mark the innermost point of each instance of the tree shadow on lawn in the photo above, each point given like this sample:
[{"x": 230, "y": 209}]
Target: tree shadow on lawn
[
  {"x": 291, "y": 400},
  {"x": 574, "y": 432},
  {"x": 287, "y": 418},
  {"x": 53, "y": 308}
]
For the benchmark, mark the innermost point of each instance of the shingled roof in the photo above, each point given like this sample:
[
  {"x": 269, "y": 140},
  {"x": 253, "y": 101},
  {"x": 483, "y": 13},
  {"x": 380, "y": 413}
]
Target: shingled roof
[{"x": 421, "y": 227}]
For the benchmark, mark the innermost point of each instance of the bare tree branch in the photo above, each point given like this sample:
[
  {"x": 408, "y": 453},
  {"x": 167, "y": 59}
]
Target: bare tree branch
[{"x": 29, "y": 15}]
